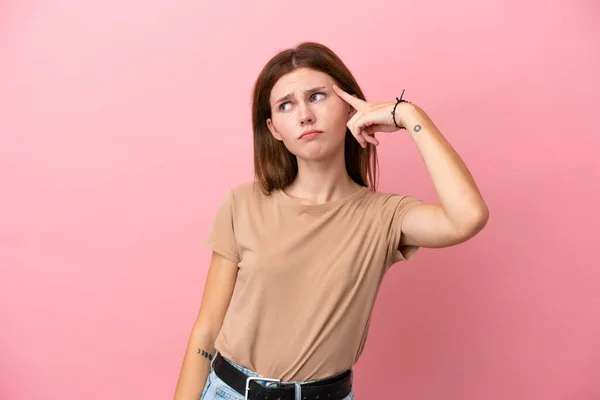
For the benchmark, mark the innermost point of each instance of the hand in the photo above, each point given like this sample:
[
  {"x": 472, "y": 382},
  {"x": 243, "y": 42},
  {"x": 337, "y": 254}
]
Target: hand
[{"x": 371, "y": 117}]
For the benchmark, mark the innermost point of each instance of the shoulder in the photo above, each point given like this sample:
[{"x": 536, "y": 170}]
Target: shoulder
[
  {"x": 391, "y": 207},
  {"x": 388, "y": 199},
  {"x": 245, "y": 189},
  {"x": 248, "y": 193}
]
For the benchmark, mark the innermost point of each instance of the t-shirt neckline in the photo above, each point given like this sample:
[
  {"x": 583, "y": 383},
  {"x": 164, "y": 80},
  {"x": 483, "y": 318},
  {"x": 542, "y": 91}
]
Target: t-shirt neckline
[{"x": 291, "y": 202}]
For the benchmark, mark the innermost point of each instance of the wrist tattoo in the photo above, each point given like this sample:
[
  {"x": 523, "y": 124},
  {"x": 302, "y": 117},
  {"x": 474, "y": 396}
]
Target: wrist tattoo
[
  {"x": 205, "y": 354},
  {"x": 417, "y": 128}
]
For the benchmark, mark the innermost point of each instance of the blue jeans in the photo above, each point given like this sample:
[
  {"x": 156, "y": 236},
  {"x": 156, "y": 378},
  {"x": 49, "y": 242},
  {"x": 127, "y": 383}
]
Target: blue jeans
[{"x": 216, "y": 389}]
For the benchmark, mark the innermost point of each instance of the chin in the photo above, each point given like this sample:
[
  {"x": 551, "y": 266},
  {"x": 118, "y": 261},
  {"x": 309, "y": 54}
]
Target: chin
[
  {"x": 317, "y": 153},
  {"x": 313, "y": 157}
]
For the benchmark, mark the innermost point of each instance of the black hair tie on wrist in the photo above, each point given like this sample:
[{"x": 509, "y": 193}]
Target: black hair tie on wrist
[{"x": 399, "y": 100}]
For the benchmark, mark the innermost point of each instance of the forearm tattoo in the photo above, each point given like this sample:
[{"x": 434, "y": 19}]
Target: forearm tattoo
[
  {"x": 205, "y": 354},
  {"x": 417, "y": 128}
]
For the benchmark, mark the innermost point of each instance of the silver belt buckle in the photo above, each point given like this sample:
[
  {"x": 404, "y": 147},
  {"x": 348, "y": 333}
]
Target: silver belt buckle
[{"x": 256, "y": 378}]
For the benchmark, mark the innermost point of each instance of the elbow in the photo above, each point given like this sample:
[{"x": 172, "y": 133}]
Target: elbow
[
  {"x": 475, "y": 223},
  {"x": 481, "y": 220}
]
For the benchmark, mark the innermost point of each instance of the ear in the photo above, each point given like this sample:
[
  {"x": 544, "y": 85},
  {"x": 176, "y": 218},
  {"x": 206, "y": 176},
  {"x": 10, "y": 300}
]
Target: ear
[{"x": 272, "y": 129}]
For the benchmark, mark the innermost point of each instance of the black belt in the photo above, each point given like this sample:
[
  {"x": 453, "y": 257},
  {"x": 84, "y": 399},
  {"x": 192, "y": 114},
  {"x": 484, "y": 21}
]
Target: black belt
[{"x": 334, "y": 388}]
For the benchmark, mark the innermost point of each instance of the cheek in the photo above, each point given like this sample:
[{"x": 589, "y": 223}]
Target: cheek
[
  {"x": 283, "y": 127},
  {"x": 336, "y": 114},
  {"x": 337, "y": 122},
  {"x": 287, "y": 134}
]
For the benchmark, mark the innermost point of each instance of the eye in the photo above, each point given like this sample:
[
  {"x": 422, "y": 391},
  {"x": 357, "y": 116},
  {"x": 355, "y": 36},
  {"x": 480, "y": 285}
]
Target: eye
[
  {"x": 317, "y": 94},
  {"x": 313, "y": 97}
]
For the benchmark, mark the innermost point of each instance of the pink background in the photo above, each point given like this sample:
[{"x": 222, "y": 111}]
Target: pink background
[{"x": 123, "y": 123}]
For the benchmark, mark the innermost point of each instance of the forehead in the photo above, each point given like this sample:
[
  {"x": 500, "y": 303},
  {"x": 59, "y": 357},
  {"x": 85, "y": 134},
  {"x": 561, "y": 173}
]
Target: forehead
[{"x": 298, "y": 80}]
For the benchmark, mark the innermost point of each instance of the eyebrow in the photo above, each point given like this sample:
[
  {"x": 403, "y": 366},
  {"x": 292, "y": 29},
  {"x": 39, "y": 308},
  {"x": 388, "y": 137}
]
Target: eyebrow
[{"x": 290, "y": 95}]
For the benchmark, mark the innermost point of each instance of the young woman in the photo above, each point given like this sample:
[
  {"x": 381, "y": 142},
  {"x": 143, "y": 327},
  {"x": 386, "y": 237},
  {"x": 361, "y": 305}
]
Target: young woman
[{"x": 299, "y": 255}]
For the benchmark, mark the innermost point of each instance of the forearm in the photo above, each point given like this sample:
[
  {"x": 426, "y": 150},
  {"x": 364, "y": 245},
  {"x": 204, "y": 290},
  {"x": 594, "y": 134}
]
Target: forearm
[
  {"x": 458, "y": 193},
  {"x": 196, "y": 366}
]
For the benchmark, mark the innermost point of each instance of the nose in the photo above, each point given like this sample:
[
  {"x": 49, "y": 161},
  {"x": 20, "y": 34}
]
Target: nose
[{"x": 306, "y": 115}]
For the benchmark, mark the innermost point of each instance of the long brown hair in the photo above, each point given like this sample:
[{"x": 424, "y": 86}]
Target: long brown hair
[{"x": 275, "y": 167}]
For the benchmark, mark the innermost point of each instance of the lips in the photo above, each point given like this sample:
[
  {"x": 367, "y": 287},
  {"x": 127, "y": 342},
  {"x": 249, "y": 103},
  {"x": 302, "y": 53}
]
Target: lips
[{"x": 310, "y": 134}]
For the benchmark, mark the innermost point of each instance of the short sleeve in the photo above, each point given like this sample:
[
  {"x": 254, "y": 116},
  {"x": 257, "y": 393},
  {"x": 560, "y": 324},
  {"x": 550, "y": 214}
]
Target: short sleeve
[
  {"x": 221, "y": 237},
  {"x": 395, "y": 208}
]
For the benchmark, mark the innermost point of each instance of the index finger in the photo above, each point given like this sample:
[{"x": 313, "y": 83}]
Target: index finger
[{"x": 352, "y": 100}]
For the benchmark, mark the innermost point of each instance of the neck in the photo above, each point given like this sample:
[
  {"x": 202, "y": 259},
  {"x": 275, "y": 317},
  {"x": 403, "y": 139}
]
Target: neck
[{"x": 322, "y": 181}]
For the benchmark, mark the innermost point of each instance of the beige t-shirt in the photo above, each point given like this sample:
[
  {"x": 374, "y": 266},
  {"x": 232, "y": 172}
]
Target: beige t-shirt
[{"x": 308, "y": 277}]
